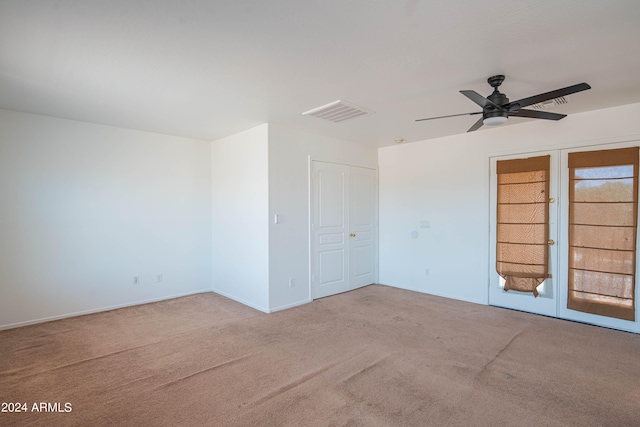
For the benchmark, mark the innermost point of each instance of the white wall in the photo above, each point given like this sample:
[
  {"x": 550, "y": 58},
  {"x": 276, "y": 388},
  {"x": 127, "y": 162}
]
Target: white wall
[
  {"x": 289, "y": 153},
  {"x": 240, "y": 210},
  {"x": 446, "y": 181},
  {"x": 84, "y": 208}
]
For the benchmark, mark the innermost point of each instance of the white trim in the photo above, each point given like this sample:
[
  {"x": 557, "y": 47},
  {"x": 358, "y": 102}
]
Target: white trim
[
  {"x": 377, "y": 227},
  {"x": 294, "y": 304},
  {"x": 566, "y": 145},
  {"x": 241, "y": 301},
  {"x": 357, "y": 165},
  {"x": 436, "y": 294},
  {"x": 310, "y": 225},
  {"x": 100, "y": 310}
]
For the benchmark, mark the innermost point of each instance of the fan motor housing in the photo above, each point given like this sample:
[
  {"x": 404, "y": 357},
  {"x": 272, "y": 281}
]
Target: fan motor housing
[
  {"x": 494, "y": 113},
  {"x": 498, "y": 98}
]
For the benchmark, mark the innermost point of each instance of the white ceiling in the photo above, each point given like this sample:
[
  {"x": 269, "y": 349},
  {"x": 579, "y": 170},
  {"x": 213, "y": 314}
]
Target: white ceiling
[{"x": 210, "y": 68}]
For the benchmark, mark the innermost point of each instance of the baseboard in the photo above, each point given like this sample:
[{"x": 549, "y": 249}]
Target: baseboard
[
  {"x": 437, "y": 294},
  {"x": 99, "y": 310},
  {"x": 241, "y": 301},
  {"x": 286, "y": 306}
]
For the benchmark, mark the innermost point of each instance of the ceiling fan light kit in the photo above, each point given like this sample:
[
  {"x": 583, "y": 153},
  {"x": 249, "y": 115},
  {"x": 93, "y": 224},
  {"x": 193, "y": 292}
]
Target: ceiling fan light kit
[
  {"x": 494, "y": 121},
  {"x": 496, "y": 108}
]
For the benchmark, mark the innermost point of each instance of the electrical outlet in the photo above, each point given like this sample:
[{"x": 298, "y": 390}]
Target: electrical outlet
[
  {"x": 292, "y": 283},
  {"x": 136, "y": 280},
  {"x": 427, "y": 272},
  {"x": 159, "y": 278}
]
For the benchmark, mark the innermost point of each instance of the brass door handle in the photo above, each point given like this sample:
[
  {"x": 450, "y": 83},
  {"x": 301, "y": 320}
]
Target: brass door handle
[
  {"x": 353, "y": 234},
  {"x": 551, "y": 242}
]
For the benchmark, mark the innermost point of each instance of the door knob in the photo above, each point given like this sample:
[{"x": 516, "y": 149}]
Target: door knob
[
  {"x": 353, "y": 234},
  {"x": 551, "y": 242}
]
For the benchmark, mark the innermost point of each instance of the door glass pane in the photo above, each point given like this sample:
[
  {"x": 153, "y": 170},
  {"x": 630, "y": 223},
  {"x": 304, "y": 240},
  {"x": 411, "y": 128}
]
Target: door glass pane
[
  {"x": 602, "y": 232},
  {"x": 522, "y": 228}
]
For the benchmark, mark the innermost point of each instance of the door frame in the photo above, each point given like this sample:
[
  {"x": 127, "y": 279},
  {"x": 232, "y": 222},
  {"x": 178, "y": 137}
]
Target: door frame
[{"x": 310, "y": 206}]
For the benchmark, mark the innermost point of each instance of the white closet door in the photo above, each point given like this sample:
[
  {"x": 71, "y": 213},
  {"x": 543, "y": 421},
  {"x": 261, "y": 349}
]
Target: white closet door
[
  {"x": 362, "y": 230},
  {"x": 343, "y": 228},
  {"x": 330, "y": 216}
]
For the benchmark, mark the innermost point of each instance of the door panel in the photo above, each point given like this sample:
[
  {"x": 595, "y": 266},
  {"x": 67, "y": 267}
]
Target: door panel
[
  {"x": 563, "y": 311},
  {"x": 343, "y": 233},
  {"x": 331, "y": 268},
  {"x": 546, "y": 301},
  {"x": 362, "y": 226},
  {"x": 331, "y": 193},
  {"x": 330, "y": 229},
  {"x": 362, "y": 197},
  {"x": 361, "y": 262}
]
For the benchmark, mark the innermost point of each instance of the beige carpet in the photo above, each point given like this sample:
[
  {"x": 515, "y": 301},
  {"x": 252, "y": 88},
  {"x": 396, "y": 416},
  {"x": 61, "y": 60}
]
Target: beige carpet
[{"x": 377, "y": 356}]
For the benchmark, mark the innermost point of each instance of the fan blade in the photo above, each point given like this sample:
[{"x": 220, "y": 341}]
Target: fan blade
[
  {"x": 476, "y": 125},
  {"x": 452, "y": 115},
  {"x": 536, "y": 99},
  {"x": 537, "y": 115},
  {"x": 478, "y": 99}
]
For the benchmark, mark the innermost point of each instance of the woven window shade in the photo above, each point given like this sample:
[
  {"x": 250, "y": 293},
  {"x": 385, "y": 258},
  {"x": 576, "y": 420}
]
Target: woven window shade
[
  {"x": 522, "y": 252},
  {"x": 603, "y": 212}
]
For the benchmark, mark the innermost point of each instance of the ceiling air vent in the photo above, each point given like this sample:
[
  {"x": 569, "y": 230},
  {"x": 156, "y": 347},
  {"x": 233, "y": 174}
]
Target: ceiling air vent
[
  {"x": 551, "y": 103},
  {"x": 338, "y": 111}
]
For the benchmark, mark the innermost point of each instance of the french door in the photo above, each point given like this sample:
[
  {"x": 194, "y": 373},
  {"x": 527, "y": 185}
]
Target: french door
[
  {"x": 546, "y": 301},
  {"x": 343, "y": 228},
  {"x": 563, "y": 310},
  {"x": 553, "y": 293}
]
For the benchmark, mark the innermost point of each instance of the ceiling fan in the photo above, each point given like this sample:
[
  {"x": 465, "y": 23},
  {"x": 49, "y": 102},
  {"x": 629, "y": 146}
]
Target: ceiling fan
[{"x": 496, "y": 107}]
